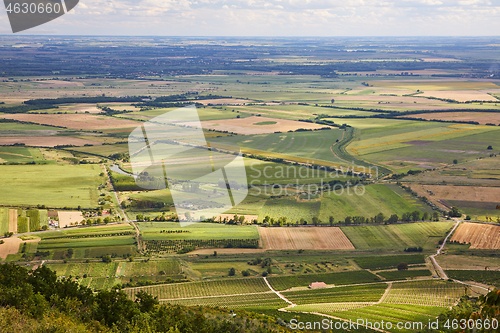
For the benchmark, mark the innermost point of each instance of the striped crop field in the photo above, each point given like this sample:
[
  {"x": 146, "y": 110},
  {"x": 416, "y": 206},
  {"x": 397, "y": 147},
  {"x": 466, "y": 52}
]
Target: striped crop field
[
  {"x": 203, "y": 289},
  {"x": 267, "y": 299},
  {"x": 429, "y": 292}
]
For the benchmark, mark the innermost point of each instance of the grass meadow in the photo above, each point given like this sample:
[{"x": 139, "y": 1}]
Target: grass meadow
[
  {"x": 398, "y": 237},
  {"x": 54, "y": 186}
]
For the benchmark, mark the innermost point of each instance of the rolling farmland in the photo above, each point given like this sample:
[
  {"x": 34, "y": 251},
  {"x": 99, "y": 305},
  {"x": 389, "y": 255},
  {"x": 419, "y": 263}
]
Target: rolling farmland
[
  {"x": 310, "y": 117},
  {"x": 403, "y": 303}
]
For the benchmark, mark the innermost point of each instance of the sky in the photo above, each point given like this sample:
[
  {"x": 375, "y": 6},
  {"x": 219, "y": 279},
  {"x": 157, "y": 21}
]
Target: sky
[{"x": 275, "y": 18}]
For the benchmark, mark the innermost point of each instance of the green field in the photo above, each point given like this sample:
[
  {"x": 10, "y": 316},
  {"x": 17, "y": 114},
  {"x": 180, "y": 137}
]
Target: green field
[
  {"x": 486, "y": 277},
  {"x": 37, "y": 219},
  {"x": 405, "y": 274},
  {"x": 54, "y": 186},
  {"x": 204, "y": 289},
  {"x": 88, "y": 232},
  {"x": 290, "y": 208},
  {"x": 429, "y": 292},
  {"x": 63, "y": 243},
  {"x": 21, "y": 155},
  {"x": 249, "y": 302},
  {"x": 99, "y": 275},
  {"x": 365, "y": 293},
  {"x": 389, "y": 261},
  {"x": 403, "y": 145},
  {"x": 23, "y": 222},
  {"x": 201, "y": 231},
  {"x": 15, "y": 127},
  {"x": 300, "y": 146},
  {"x": 388, "y": 313},
  {"x": 4, "y": 220},
  {"x": 103, "y": 150},
  {"x": 369, "y": 201},
  {"x": 304, "y": 280},
  {"x": 397, "y": 237},
  {"x": 404, "y": 303},
  {"x": 170, "y": 237}
]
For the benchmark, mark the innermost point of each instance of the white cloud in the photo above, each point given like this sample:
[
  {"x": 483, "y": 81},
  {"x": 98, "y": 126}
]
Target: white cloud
[{"x": 278, "y": 17}]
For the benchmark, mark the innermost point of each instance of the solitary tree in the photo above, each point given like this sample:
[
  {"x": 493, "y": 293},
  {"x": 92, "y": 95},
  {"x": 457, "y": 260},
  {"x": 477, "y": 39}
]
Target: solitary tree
[
  {"x": 454, "y": 212},
  {"x": 402, "y": 266}
]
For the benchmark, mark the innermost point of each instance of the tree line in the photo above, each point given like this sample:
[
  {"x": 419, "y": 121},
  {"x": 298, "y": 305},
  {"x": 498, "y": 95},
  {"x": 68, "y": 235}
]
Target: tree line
[
  {"x": 38, "y": 301},
  {"x": 380, "y": 218}
]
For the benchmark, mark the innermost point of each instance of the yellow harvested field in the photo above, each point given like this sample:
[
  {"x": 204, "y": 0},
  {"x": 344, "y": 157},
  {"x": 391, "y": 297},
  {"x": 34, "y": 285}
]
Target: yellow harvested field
[
  {"x": 462, "y": 95},
  {"x": 479, "y": 236},
  {"x": 480, "y": 117},
  {"x": 75, "y": 121},
  {"x": 67, "y": 219},
  {"x": 463, "y": 193},
  {"x": 258, "y": 125},
  {"x": 304, "y": 238},
  {"x": 13, "y": 220},
  {"x": 45, "y": 141}
]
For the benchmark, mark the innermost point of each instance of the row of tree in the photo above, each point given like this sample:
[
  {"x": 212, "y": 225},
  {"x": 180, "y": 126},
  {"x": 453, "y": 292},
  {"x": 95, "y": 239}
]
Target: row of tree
[{"x": 380, "y": 218}]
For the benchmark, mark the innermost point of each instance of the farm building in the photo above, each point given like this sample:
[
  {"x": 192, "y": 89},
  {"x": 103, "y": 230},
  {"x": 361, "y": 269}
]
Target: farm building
[{"x": 317, "y": 285}]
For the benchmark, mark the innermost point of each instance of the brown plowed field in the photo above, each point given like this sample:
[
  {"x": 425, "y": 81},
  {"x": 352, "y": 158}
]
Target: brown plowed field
[
  {"x": 439, "y": 193},
  {"x": 306, "y": 238},
  {"x": 258, "y": 125},
  {"x": 479, "y": 236}
]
